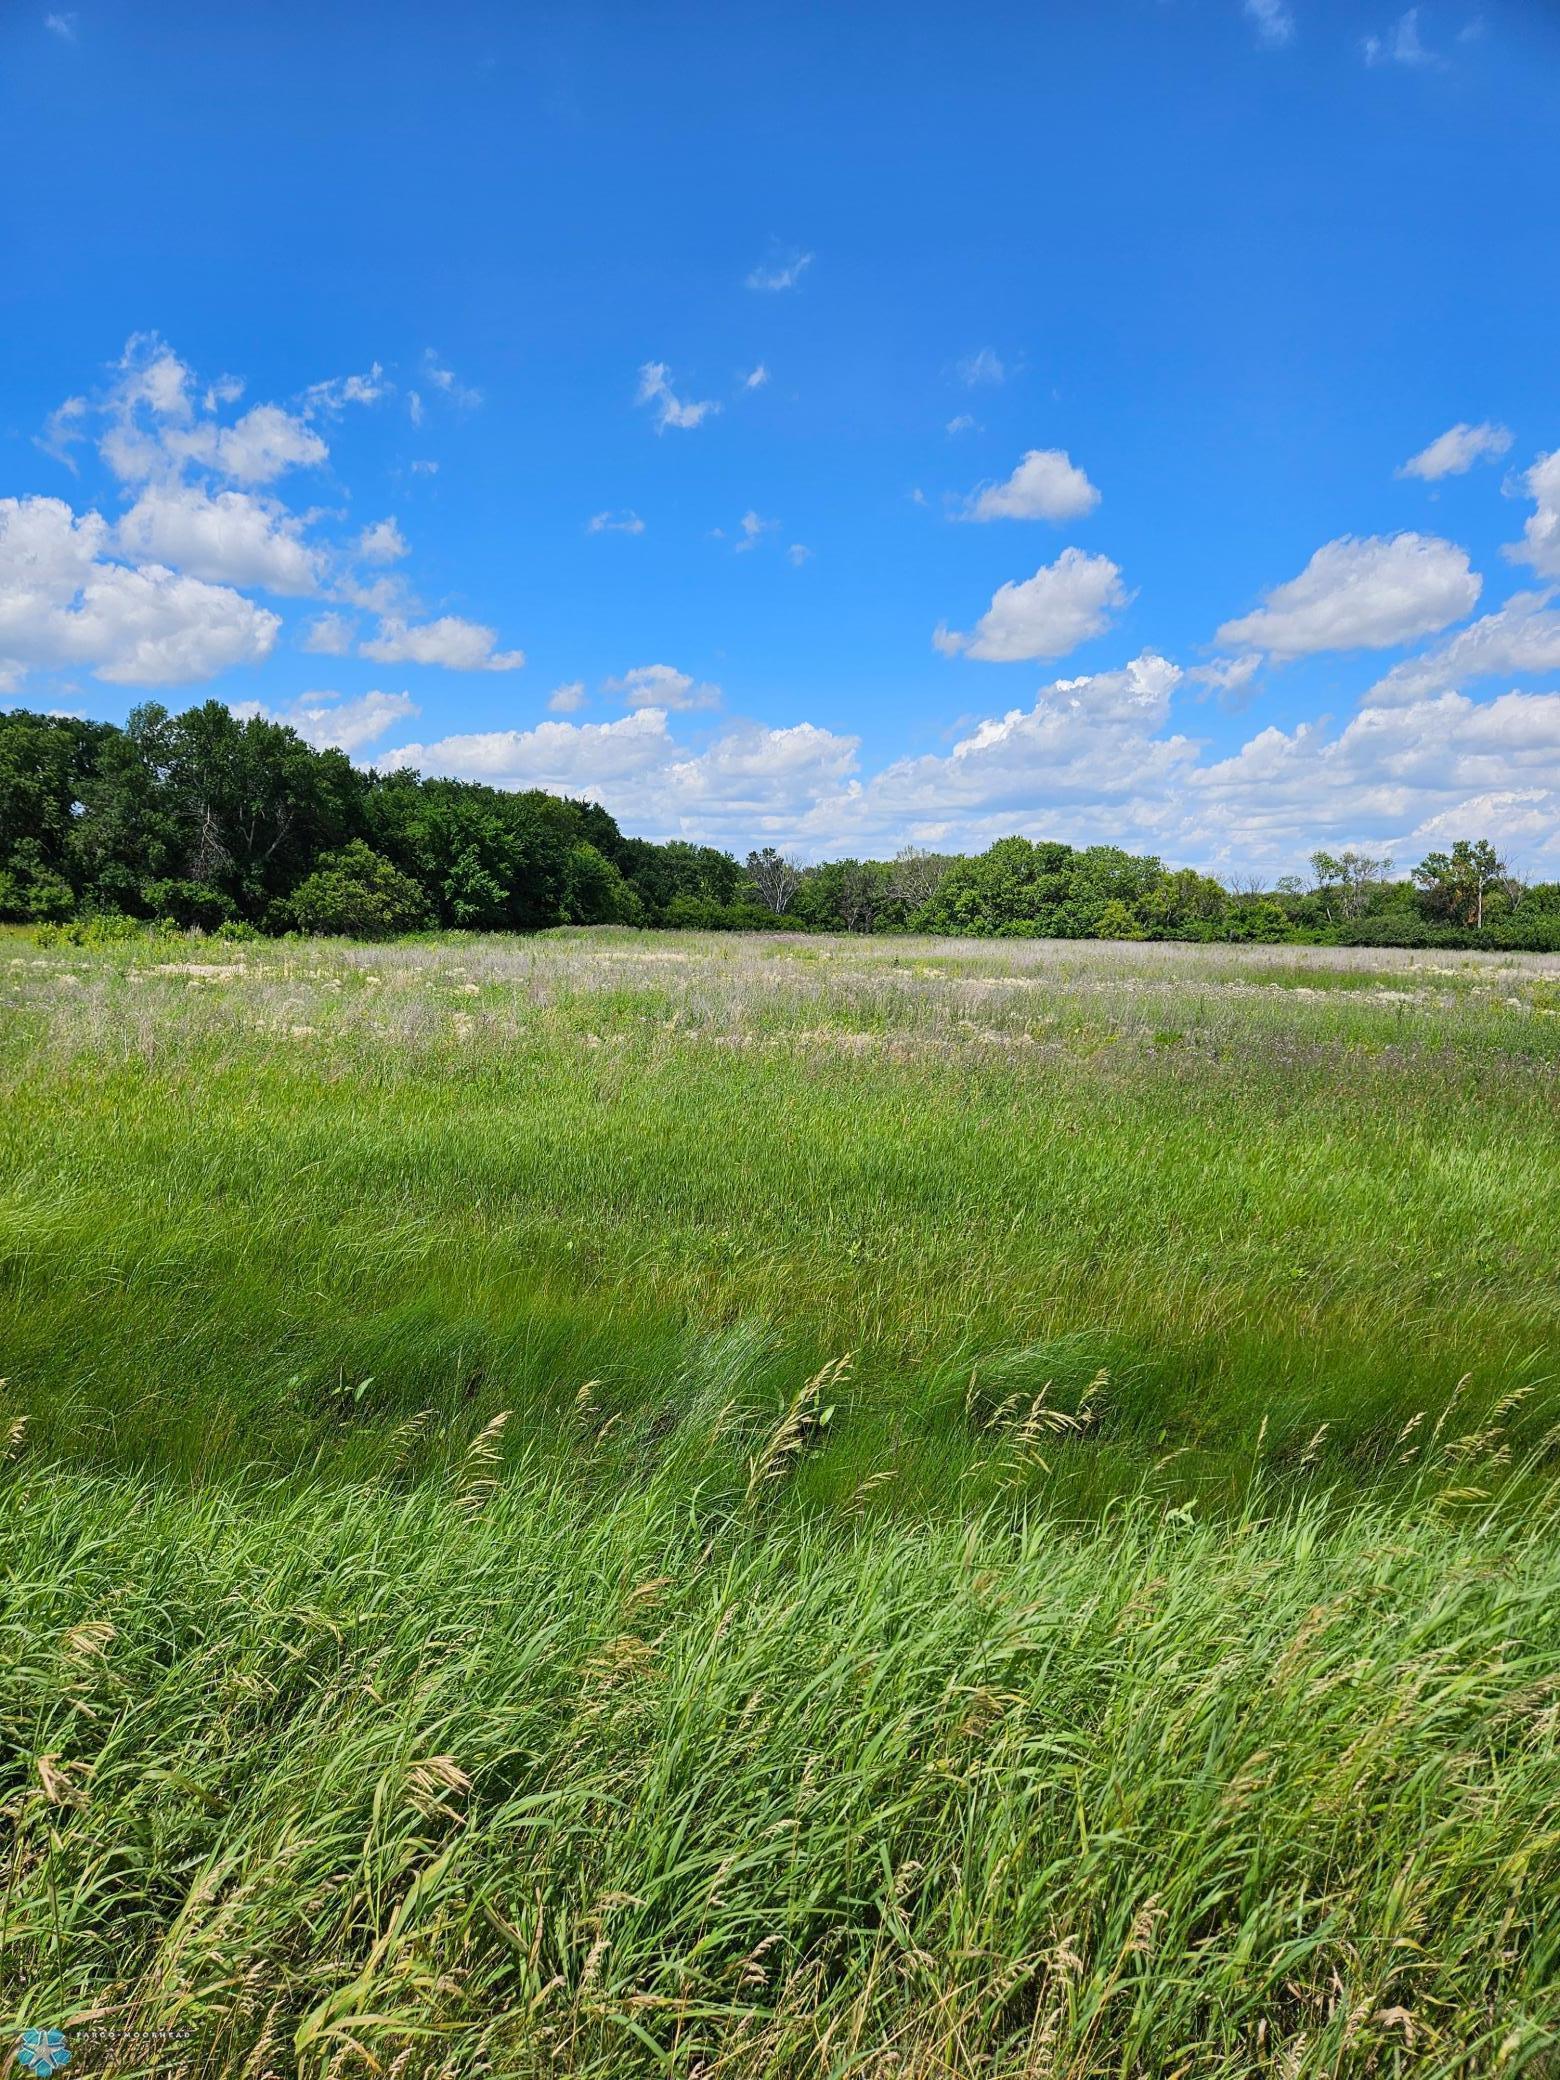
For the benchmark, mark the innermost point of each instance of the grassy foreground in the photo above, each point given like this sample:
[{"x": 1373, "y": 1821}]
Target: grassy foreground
[{"x": 464, "y": 1615}]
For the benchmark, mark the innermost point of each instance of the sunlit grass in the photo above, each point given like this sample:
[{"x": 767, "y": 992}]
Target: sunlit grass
[
  {"x": 625, "y": 1503},
  {"x": 481, "y": 1172}
]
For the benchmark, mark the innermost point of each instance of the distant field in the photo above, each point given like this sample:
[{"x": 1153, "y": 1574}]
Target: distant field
[{"x": 685, "y": 1503}]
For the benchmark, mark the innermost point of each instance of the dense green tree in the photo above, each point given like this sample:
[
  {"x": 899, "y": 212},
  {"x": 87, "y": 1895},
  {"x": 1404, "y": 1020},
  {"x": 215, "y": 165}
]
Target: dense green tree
[
  {"x": 677, "y": 872},
  {"x": 489, "y": 861},
  {"x": 46, "y": 763},
  {"x": 1182, "y": 903},
  {"x": 597, "y": 892},
  {"x": 1014, "y": 885},
  {"x": 258, "y": 805},
  {"x": 211, "y": 819},
  {"x": 847, "y": 895},
  {"x": 1346, "y": 882}
]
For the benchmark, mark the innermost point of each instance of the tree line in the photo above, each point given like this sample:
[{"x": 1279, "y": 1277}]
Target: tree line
[{"x": 213, "y": 821}]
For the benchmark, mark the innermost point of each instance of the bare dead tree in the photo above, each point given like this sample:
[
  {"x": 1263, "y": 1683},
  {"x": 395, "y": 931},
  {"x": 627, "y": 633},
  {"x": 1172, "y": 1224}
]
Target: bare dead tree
[
  {"x": 775, "y": 878},
  {"x": 916, "y": 876}
]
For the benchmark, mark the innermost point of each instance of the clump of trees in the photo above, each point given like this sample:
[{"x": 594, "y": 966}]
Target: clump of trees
[{"x": 212, "y": 821}]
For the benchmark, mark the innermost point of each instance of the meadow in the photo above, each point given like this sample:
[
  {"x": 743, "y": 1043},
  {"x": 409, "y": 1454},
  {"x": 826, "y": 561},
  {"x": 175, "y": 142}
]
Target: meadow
[{"x": 713, "y": 1505}]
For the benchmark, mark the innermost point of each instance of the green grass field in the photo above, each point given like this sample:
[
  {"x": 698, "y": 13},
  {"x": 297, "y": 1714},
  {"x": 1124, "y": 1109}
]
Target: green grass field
[{"x": 628, "y": 1503}]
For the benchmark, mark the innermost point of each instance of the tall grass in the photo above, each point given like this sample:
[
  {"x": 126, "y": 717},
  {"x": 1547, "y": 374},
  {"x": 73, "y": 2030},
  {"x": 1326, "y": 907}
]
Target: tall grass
[
  {"x": 478, "y": 1174},
  {"x": 720, "y": 1508},
  {"x": 504, "y": 1782}
]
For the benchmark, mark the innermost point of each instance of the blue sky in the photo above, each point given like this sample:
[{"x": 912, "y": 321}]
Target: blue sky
[{"x": 869, "y": 425}]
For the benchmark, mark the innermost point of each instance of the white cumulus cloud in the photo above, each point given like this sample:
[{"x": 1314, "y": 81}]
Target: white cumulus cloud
[
  {"x": 566, "y": 757},
  {"x": 331, "y": 721},
  {"x": 1061, "y": 606},
  {"x": 1094, "y": 759},
  {"x": 1046, "y": 485},
  {"x": 662, "y": 686},
  {"x": 64, "y": 602},
  {"x": 383, "y": 542},
  {"x": 1540, "y": 543},
  {"x": 458, "y": 645},
  {"x": 1522, "y": 637},
  {"x": 256, "y": 449},
  {"x": 230, "y": 537},
  {"x": 330, "y": 635},
  {"x": 1362, "y": 594}
]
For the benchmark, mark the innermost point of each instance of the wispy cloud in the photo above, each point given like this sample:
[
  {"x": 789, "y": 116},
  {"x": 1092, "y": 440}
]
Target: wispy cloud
[
  {"x": 781, "y": 271},
  {"x": 63, "y": 428},
  {"x": 62, "y": 25},
  {"x": 982, "y": 369},
  {"x": 1457, "y": 450},
  {"x": 1275, "y": 24},
  {"x": 330, "y": 635},
  {"x": 626, "y": 522},
  {"x": 445, "y": 380},
  {"x": 1402, "y": 44},
  {"x": 655, "y": 389},
  {"x": 754, "y": 528}
]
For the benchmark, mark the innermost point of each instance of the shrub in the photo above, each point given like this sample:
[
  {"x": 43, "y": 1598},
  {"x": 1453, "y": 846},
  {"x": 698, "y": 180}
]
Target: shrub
[
  {"x": 103, "y": 928},
  {"x": 191, "y": 905},
  {"x": 1257, "y": 921},
  {"x": 1116, "y": 921},
  {"x": 356, "y": 894}
]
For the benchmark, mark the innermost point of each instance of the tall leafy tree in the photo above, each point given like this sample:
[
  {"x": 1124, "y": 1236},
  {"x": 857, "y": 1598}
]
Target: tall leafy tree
[{"x": 1458, "y": 884}]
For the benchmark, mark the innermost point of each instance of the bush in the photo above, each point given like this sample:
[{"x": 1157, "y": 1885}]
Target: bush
[
  {"x": 1526, "y": 931},
  {"x": 190, "y": 905},
  {"x": 356, "y": 894},
  {"x": 1257, "y": 922},
  {"x": 1116, "y": 921},
  {"x": 103, "y": 928}
]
